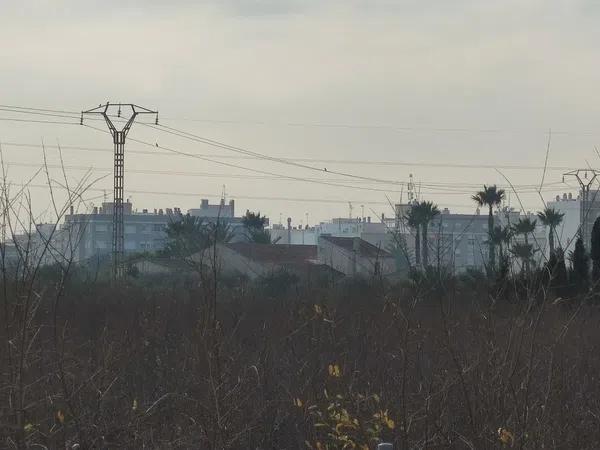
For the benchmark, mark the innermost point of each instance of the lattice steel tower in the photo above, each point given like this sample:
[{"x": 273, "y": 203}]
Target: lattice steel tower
[{"x": 114, "y": 111}]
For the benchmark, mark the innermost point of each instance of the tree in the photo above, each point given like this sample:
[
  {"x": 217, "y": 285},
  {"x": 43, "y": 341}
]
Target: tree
[
  {"x": 524, "y": 252},
  {"x": 580, "y": 264},
  {"x": 490, "y": 196},
  {"x": 556, "y": 272},
  {"x": 524, "y": 227},
  {"x": 551, "y": 218},
  {"x": 500, "y": 237},
  {"x": 254, "y": 220},
  {"x": 191, "y": 235},
  {"x": 595, "y": 250},
  {"x": 427, "y": 211},
  {"x": 413, "y": 219},
  {"x": 255, "y": 228}
]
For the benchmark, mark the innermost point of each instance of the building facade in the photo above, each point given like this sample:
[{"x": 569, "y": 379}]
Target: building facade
[{"x": 89, "y": 235}]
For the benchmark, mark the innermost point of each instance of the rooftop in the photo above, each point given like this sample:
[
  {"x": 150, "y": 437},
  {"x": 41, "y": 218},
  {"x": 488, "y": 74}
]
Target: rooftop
[
  {"x": 271, "y": 253},
  {"x": 366, "y": 249}
]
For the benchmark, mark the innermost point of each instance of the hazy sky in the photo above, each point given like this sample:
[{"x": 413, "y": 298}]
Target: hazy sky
[{"x": 438, "y": 82}]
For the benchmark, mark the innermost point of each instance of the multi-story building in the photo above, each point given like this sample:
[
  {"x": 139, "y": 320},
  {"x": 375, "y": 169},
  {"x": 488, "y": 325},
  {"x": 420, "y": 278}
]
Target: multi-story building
[
  {"x": 568, "y": 230},
  {"x": 90, "y": 235},
  {"x": 376, "y": 233},
  {"x": 460, "y": 241}
]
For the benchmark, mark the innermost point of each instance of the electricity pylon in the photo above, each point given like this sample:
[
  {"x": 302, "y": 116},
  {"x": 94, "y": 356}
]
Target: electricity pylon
[
  {"x": 118, "y": 235},
  {"x": 585, "y": 183}
]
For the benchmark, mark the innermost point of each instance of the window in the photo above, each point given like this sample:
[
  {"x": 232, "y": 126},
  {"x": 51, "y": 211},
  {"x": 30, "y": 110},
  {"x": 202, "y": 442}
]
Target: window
[
  {"x": 101, "y": 227},
  {"x": 130, "y": 229},
  {"x": 158, "y": 227},
  {"x": 100, "y": 245}
]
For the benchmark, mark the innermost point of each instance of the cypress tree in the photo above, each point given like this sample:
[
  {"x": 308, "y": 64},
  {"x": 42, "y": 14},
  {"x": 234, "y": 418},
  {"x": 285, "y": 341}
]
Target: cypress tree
[
  {"x": 595, "y": 253},
  {"x": 580, "y": 265}
]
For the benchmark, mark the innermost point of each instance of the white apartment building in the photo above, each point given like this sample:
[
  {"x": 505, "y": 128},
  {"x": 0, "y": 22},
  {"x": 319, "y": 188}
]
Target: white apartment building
[
  {"x": 570, "y": 206},
  {"x": 375, "y": 233},
  {"x": 90, "y": 235}
]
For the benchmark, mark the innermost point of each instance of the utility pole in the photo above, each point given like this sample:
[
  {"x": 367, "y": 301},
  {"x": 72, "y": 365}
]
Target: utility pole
[
  {"x": 107, "y": 111},
  {"x": 585, "y": 182}
]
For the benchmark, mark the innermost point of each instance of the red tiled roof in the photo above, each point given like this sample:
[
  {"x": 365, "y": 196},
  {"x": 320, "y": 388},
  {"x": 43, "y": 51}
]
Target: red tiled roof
[
  {"x": 366, "y": 249},
  {"x": 272, "y": 253}
]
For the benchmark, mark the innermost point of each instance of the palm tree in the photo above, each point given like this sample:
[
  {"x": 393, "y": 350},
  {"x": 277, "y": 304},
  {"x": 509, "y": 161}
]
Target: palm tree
[
  {"x": 500, "y": 236},
  {"x": 413, "y": 220},
  {"x": 490, "y": 196},
  {"x": 524, "y": 252},
  {"x": 524, "y": 227},
  {"x": 551, "y": 218},
  {"x": 425, "y": 212}
]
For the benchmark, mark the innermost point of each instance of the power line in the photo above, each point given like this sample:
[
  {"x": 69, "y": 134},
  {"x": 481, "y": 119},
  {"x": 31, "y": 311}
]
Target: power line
[
  {"x": 294, "y": 161},
  {"x": 248, "y": 197},
  {"x": 389, "y": 127},
  {"x": 361, "y": 162},
  {"x": 212, "y": 142},
  {"x": 430, "y": 186},
  {"x": 14, "y": 119},
  {"x": 264, "y": 172}
]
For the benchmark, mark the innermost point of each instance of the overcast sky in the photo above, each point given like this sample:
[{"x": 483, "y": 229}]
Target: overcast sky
[{"x": 431, "y": 82}]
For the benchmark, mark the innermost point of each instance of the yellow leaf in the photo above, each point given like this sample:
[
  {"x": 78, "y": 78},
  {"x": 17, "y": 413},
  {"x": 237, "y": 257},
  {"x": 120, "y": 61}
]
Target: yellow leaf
[
  {"x": 28, "y": 428},
  {"x": 506, "y": 437},
  {"x": 334, "y": 370},
  {"x": 318, "y": 310},
  {"x": 298, "y": 403},
  {"x": 390, "y": 423},
  {"x": 60, "y": 416},
  {"x": 134, "y": 406}
]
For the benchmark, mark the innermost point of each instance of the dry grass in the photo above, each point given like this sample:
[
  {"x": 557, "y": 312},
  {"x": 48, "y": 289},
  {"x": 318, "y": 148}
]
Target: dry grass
[{"x": 135, "y": 367}]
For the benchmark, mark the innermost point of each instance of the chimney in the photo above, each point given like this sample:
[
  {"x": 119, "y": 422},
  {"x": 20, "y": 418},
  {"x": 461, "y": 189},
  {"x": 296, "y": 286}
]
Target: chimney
[
  {"x": 160, "y": 212},
  {"x": 71, "y": 209},
  {"x": 95, "y": 210},
  {"x": 369, "y": 219},
  {"x": 570, "y": 196},
  {"x": 232, "y": 206},
  {"x": 383, "y": 217},
  {"x": 289, "y": 233},
  {"x": 204, "y": 204},
  {"x": 558, "y": 198},
  {"x": 564, "y": 196}
]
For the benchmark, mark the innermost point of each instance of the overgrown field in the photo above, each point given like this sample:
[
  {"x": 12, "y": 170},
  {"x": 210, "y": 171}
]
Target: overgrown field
[{"x": 160, "y": 364}]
